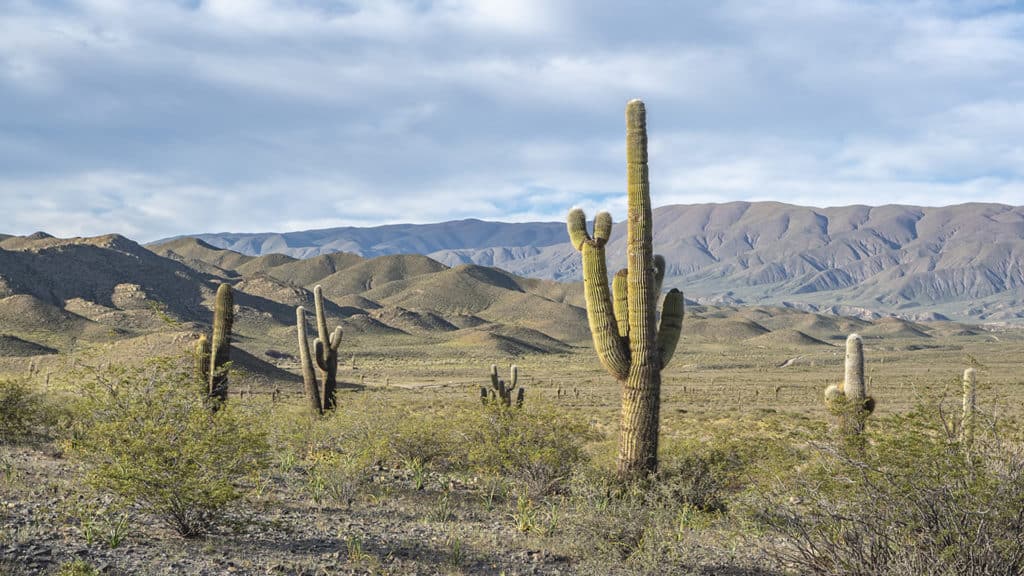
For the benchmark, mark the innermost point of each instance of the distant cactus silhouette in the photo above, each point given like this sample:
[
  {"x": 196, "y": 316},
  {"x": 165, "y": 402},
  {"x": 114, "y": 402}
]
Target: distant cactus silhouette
[
  {"x": 502, "y": 391},
  {"x": 967, "y": 417},
  {"x": 622, "y": 322},
  {"x": 321, "y": 394},
  {"x": 850, "y": 401}
]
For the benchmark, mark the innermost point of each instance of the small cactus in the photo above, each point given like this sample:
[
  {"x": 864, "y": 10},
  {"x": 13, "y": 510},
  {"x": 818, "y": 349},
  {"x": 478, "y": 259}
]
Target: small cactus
[
  {"x": 322, "y": 394},
  {"x": 214, "y": 354},
  {"x": 850, "y": 401},
  {"x": 502, "y": 391},
  {"x": 967, "y": 418}
]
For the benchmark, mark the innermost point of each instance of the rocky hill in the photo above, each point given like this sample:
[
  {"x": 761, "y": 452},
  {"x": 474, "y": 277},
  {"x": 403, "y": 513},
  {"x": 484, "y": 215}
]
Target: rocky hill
[{"x": 964, "y": 262}]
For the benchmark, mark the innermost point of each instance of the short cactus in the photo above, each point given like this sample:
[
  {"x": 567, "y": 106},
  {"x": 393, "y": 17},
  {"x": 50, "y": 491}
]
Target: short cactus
[
  {"x": 502, "y": 391},
  {"x": 967, "y": 418},
  {"x": 623, "y": 323},
  {"x": 322, "y": 394},
  {"x": 214, "y": 354},
  {"x": 850, "y": 402}
]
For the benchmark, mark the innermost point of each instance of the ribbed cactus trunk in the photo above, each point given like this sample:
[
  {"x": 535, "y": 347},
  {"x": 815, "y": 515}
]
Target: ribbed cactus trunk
[
  {"x": 214, "y": 354},
  {"x": 623, "y": 323},
  {"x": 853, "y": 381},
  {"x": 310, "y": 385},
  {"x": 641, "y": 395},
  {"x": 967, "y": 418}
]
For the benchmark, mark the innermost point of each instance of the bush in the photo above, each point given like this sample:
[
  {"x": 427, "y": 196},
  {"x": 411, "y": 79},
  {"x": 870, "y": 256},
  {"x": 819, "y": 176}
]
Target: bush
[
  {"x": 148, "y": 438},
  {"x": 536, "y": 447},
  {"x": 910, "y": 503},
  {"x": 23, "y": 412}
]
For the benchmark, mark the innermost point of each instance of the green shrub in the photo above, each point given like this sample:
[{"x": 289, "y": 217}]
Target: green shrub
[
  {"x": 23, "y": 412},
  {"x": 910, "y": 503},
  {"x": 535, "y": 448},
  {"x": 77, "y": 568},
  {"x": 147, "y": 438}
]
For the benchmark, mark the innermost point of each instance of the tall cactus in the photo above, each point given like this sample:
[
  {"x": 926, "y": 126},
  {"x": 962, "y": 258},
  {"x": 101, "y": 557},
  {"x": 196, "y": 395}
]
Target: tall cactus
[
  {"x": 214, "y": 354},
  {"x": 622, "y": 322},
  {"x": 322, "y": 394},
  {"x": 502, "y": 391},
  {"x": 967, "y": 418},
  {"x": 850, "y": 402}
]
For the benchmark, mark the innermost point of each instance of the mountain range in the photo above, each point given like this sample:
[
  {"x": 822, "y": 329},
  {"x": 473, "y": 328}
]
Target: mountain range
[
  {"x": 108, "y": 297},
  {"x": 963, "y": 262}
]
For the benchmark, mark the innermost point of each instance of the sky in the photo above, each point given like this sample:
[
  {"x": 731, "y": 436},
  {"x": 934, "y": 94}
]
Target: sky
[{"x": 159, "y": 118}]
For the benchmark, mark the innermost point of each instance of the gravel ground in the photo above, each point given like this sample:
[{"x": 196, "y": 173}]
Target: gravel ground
[{"x": 277, "y": 533}]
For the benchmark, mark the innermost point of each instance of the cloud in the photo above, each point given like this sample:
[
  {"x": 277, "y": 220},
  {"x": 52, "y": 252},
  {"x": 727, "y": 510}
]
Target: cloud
[{"x": 154, "y": 118}]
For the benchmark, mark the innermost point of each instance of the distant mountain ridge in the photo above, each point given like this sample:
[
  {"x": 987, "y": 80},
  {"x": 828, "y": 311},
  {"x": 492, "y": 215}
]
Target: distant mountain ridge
[
  {"x": 964, "y": 262},
  {"x": 389, "y": 239}
]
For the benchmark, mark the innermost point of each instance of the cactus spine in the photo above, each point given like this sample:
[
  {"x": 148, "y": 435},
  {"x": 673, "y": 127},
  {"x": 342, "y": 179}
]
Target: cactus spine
[
  {"x": 628, "y": 343},
  {"x": 967, "y": 418},
  {"x": 850, "y": 402},
  {"x": 502, "y": 391},
  {"x": 214, "y": 354},
  {"x": 321, "y": 394}
]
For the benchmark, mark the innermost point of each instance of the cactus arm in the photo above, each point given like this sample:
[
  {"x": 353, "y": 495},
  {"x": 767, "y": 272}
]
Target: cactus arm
[
  {"x": 310, "y": 385},
  {"x": 834, "y": 398},
  {"x": 203, "y": 361},
  {"x": 672, "y": 312},
  {"x": 513, "y": 380},
  {"x": 321, "y": 314},
  {"x": 602, "y": 227},
  {"x": 577, "y": 226},
  {"x": 319, "y": 353},
  {"x": 336, "y": 338},
  {"x": 619, "y": 304},
  {"x": 611, "y": 348}
]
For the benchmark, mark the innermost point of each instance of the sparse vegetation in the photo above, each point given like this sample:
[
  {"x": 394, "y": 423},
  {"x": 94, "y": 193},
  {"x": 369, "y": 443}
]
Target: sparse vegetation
[
  {"x": 24, "y": 413},
  {"x": 148, "y": 440},
  {"x": 910, "y": 504}
]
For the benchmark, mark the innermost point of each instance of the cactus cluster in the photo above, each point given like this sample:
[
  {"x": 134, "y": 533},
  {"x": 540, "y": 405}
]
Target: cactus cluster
[
  {"x": 623, "y": 321},
  {"x": 320, "y": 393},
  {"x": 501, "y": 391},
  {"x": 850, "y": 402},
  {"x": 213, "y": 354}
]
